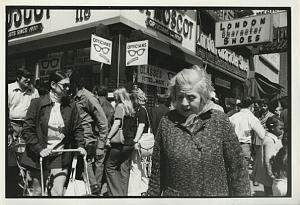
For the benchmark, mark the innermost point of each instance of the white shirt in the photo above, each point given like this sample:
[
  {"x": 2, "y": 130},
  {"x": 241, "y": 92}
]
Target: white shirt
[
  {"x": 244, "y": 123},
  {"x": 19, "y": 101},
  {"x": 55, "y": 125}
]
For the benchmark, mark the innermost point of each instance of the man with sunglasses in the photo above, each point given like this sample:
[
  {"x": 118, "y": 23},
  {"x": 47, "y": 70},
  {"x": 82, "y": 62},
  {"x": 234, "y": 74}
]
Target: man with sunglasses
[
  {"x": 95, "y": 126},
  {"x": 20, "y": 94}
]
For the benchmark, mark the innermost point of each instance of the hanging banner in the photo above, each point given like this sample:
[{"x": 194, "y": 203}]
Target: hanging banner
[
  {"x": 137, "y": 53},
  {"x": 101, "y": 49},
  {"x": 152, "y": 75},
  {"x": 244, "y": 31}
]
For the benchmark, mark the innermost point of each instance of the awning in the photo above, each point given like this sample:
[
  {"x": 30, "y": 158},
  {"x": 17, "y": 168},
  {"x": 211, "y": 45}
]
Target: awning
[{"x": 260, "y": 87}]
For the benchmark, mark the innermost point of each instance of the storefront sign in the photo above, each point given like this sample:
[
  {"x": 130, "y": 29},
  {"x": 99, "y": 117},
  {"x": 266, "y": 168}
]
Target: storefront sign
[
  {"x": 101, "y": 49},
  {"x": 152, "y": 75},
  {"x": 26, "y": 31},
  {"x": 47, "y": 65},
  {"x": 52, "y": 21},
  {"x": 137, "y": 53},
  {"x": 244, "y": 31},
  {"x": 208, "y": 44},
  {"x": 177, "y": 27},
  {"x": 25, "y": 22}
]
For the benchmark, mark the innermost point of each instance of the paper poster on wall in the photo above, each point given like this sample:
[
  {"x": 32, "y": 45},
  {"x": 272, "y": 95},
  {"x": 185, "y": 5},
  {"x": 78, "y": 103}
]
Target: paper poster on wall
[
  {"x": 137, "y": 53},
  {"x": 101, "y": 49},
  {"x": 152, "y": 75},
  {"x": 47, "y": 65}
]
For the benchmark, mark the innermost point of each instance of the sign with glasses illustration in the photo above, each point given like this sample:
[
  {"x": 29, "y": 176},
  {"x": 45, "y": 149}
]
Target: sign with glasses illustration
[
  {"x": 101, "y": 49},
  {"x": 47, "y": 65},
  {"x": 137, "y": 53}
]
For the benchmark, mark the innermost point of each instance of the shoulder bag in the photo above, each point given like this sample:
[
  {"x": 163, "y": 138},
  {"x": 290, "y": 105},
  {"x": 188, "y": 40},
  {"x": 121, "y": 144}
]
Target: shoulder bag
[
  {"x": 146, "y": 141},
  {"x": 78, "y": 187},
  {"x": 118, "y": 137}
]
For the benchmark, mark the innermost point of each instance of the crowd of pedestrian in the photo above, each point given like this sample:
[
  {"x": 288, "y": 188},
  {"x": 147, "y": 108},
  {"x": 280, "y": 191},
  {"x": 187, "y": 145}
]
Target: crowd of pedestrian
[{"x": 200, "y": 148}]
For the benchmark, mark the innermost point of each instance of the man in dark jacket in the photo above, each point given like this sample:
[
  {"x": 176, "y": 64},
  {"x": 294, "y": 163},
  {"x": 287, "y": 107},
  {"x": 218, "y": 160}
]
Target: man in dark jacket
[
  {"x": 95, "y": 128},
  {"x": 160, "y": 109},
  {"x": 101, "y": 94}
]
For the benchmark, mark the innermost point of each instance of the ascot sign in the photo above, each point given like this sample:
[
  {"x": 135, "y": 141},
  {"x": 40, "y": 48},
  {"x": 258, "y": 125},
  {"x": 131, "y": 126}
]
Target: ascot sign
[{"x": 244, "y": 31}]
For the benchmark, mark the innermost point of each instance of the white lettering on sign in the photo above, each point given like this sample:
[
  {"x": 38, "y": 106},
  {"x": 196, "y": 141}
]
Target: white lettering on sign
[
  {"x": 23, "y": 17},
  {"x": 245, "y": 31},
  {"x": 174, "y": 20},
  {"x": 229, "y": 56},
  {"x": 152, "y": 75}
]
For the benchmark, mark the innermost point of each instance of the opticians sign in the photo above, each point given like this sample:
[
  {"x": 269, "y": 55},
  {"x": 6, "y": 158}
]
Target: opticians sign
[
  {"x": 152, "y": 75},
  {"x": 244, "y": 31},
  {"x": 137, "y": 53},
  {"x": 47, "y": 65},
  {"x": 101, "y": 49}
]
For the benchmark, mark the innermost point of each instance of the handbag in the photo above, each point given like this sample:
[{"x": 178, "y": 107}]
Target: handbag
[
  {"x": 146, "y": 141},
  {"x": 78, "y": 187},
  {"x": 118, "y": 136}
]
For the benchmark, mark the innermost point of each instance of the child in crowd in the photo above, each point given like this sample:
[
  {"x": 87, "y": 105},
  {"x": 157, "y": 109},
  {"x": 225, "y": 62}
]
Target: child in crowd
[
  {"x": 271, "y": 145},
  {"x": 279, "y": 168}
]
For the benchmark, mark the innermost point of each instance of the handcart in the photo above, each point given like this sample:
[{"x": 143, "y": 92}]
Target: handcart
[{"x": 75, "y": 187}]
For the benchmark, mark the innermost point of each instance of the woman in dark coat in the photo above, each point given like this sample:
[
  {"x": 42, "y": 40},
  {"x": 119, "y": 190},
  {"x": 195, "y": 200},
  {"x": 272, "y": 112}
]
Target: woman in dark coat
[
  {"x": 196, "y": 151},
  {"x": 52, "y": 123}
]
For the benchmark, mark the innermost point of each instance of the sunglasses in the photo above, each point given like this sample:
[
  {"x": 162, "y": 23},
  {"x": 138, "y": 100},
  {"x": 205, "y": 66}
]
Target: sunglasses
[{"x": 64, "y": 85}]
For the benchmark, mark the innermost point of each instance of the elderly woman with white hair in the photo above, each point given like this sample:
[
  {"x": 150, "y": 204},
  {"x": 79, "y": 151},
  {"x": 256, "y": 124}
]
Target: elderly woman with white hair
[{"x": 196, "y": 151}]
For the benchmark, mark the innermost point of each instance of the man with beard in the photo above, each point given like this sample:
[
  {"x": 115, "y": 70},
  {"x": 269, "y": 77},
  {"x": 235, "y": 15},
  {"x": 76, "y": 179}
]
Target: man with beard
[{"x": 19, "y": 96}]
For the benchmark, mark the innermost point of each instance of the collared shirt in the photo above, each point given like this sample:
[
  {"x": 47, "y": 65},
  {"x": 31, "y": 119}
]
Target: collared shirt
[
  {"x": 244, "y": 123},
  {"x": 19, "y": 101},
  {"x": 264, "y": 117}
]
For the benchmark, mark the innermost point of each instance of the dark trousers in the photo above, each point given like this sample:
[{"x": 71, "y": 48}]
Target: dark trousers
[
  {"x": 12, "y": 180},
  {"x": 96, "y": 168},
  {"x": 117, "y": 169},
  {"x": 246, "y": 148}
]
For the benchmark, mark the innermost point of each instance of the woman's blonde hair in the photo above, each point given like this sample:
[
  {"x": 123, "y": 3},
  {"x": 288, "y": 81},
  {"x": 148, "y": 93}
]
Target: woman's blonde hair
[
  {"x": 122, "y": 96},
  {"x": 140, "y": 96},
  {"x": 192, "y": 77}
]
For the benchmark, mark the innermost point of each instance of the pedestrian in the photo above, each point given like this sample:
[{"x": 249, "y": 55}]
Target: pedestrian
[
  {"x": 138, "y": 180},
  {"x": 230, "y": 106},
  {"x": 101, "y": 94},
  {"x": 95, "y": 128},
  {"x": 19, "y": 95},
  {"x": 111, "y": 99},
  {"x": 52, "y": 123},
  {"x": 245, "y": 123},
  {"x": 117, "y": 164},
  {"x": 271, "y": 145},
  {"x": 265, "y": 112},
  {"x": 278, "y": 111},
  {"x": 196, "y": 151},
  {"x": 279, "y": 165},
  {"x": 159, "y": 110}
]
